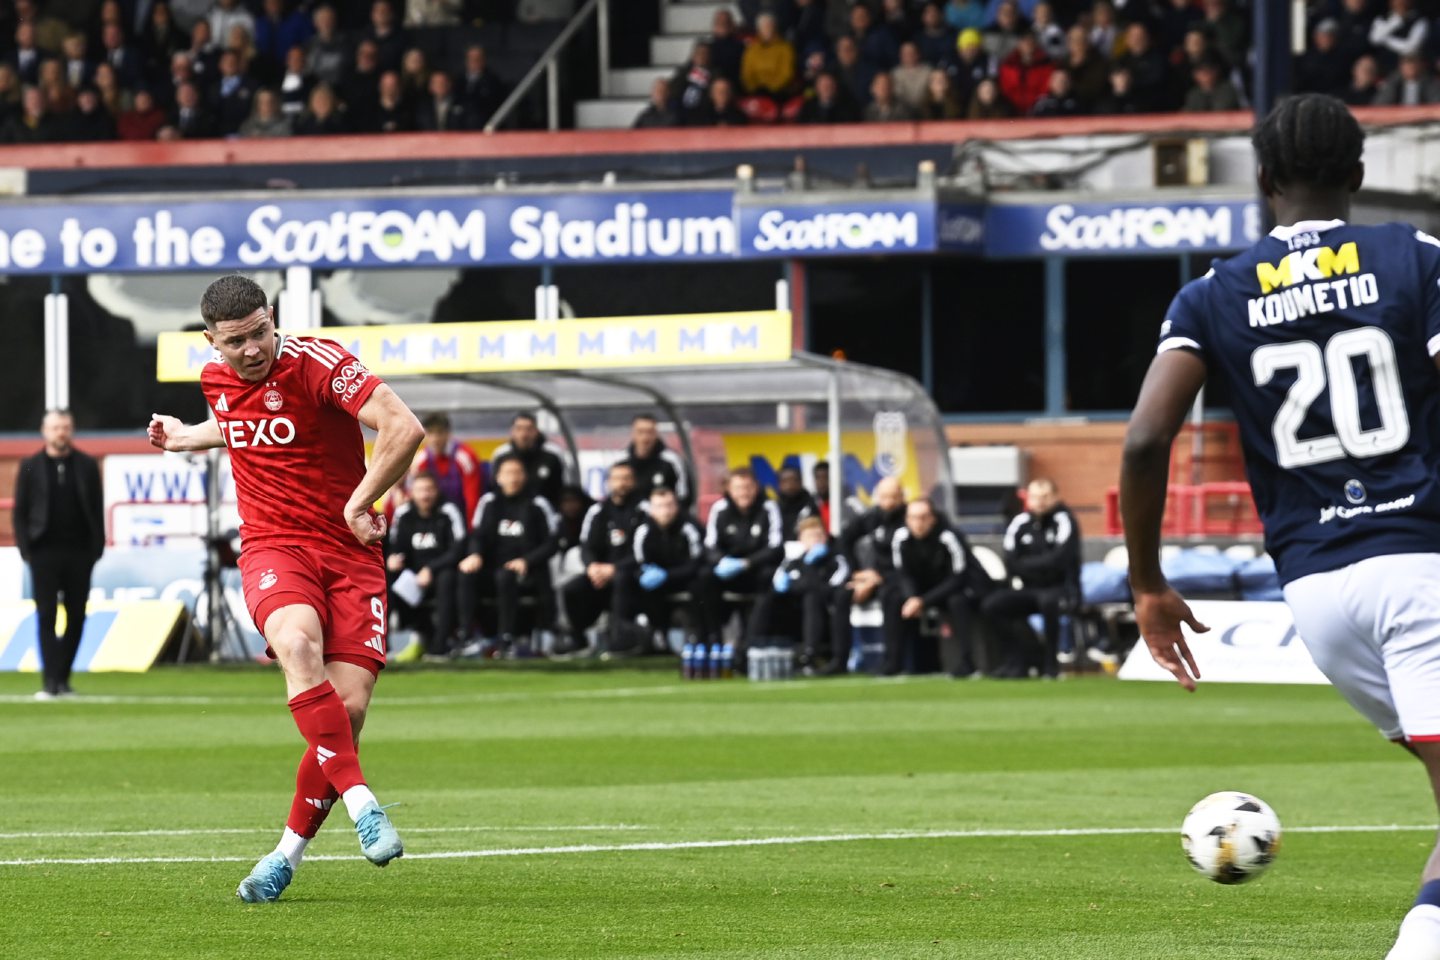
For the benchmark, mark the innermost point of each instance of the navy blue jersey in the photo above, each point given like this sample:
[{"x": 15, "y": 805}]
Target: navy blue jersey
[{"x": 1325, "y": 334}]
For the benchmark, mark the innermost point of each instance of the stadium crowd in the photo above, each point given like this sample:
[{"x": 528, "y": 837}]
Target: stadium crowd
[
  {"x": 839, "y": 61},
  {"x": 484, "y": 558}
]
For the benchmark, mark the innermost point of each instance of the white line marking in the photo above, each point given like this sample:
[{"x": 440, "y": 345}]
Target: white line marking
[
  {"x": 251, "y": 831},
  {"x": 715, "y": 844}
]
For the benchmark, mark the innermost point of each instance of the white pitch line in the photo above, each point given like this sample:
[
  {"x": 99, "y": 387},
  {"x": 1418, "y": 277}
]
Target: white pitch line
[
  {"x": 713, "y": 844},
  {"x": 252, "y": 831}
]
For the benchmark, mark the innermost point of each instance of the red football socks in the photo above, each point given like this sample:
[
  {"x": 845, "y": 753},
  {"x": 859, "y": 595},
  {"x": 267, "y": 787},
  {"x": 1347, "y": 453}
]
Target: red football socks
[
  {"x": 325, "y": 724},
  {"x": 314, "y": 796}
]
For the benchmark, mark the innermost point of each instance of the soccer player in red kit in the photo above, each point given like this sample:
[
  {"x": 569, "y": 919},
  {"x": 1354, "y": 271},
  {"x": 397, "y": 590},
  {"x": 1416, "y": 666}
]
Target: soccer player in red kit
[{"x": 289, "y": 409}]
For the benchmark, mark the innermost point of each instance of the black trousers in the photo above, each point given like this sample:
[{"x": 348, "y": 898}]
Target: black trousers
[
  {"x": 1050, "y": 603},
  {"x": 434, "y": 618},
  {"x": 957, "y": 657},
  {"x": 56, "y": 571},
  {"x": 711, "y": 608},
  {"x": 629, "y": 600},
  {"x": 584, "y": 602},
  {"x": 821, "y": 613},
  {"x": 505, "y": 589}
]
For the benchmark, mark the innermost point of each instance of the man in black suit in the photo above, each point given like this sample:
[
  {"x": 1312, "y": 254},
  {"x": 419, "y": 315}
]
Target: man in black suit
[{"x": 60, "y": 529}]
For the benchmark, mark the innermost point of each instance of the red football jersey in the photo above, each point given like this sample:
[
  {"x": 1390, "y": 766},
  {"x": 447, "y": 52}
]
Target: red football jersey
[{"x": 295, "y": 446}]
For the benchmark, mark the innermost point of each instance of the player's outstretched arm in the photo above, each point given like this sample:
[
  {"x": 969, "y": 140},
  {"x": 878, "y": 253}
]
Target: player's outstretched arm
[
  {"x": 397, "y": 436},
  {"x": 168, "y": 433},
  {"x": 1170, "y": 388}
]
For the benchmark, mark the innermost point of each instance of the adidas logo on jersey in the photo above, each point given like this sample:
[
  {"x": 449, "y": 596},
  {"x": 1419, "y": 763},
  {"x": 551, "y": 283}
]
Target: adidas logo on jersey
[
  {"x": 223, "y": 406},
  {"x": 322, "y": 754}
]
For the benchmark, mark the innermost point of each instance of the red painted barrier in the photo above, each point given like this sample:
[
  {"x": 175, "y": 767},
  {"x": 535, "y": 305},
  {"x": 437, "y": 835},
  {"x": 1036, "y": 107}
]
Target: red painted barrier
[{"x": 1221, "y": 509}]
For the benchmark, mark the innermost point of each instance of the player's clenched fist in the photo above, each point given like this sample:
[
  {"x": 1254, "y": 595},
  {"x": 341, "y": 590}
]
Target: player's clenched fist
[
  {"x": 368, "y": 527},
  {"x": 165, "y": 431}
]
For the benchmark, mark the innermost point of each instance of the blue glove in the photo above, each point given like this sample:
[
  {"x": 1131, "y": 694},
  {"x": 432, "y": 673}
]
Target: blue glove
[
  {"x": 817, "y": 553},
  {"x": 781, "y": 581},
  {"x": 729, "y": 567},
  {"x": 652, "y": 577}
]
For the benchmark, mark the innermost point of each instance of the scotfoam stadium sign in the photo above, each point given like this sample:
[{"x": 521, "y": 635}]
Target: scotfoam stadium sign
[
  {"x": 1024, "y": 230},
  {"x": 82, "y": 236},
  {"x": 831, "y": 228}
]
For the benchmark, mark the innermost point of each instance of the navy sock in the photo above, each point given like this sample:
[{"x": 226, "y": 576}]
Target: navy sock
[{"x": 1429, "y": 894}]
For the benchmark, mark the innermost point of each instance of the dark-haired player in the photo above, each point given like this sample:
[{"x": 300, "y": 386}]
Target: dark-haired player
[
  {"x": 1327, "y": 335},
  {"x": 289, "y": 409}
]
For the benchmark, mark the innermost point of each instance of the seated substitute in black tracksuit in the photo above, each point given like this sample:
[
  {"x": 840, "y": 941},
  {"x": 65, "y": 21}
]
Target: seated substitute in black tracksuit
[
  {"x": 655, "y": 464},
  {"x": 865, "y": 541},
  {"x": 543, "y": 461},
  {"x": 1042, "y": 550},
  {"x": 512, "y": 538},
  {"x": 606, "y": 536},
  {"x": 667, "y": 553},
  {"x": 427, "y": 537},
  {"x": 809, "y": 592},
  {"x": 931, "y": 566},
  {"x": 744, "y": 543},
  {"x": 794, "y": 501}
]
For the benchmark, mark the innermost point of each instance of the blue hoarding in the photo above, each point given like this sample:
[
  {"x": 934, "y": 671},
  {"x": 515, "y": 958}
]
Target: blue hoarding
[
  {"x": 836, "y": 228},
  {"x": 1108, "y": 229}
]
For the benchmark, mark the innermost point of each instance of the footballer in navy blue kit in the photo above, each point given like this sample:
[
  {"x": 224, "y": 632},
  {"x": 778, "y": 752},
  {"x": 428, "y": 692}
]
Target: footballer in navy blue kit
[{"x": 1326, "y": 335}]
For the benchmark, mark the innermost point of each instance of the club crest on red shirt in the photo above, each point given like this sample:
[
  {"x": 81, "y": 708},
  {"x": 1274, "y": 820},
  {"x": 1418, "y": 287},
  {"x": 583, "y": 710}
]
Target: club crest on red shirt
[{"x": 273, "y": 400}]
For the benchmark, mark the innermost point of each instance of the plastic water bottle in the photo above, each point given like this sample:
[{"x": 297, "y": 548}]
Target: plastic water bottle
[{"x": 727, "y": 660}]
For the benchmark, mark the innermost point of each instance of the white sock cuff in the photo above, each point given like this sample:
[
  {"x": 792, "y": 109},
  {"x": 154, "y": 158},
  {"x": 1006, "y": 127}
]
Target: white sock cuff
[
  {"x": 356, "y": 799},
  {"x": 292, "y": 847}
]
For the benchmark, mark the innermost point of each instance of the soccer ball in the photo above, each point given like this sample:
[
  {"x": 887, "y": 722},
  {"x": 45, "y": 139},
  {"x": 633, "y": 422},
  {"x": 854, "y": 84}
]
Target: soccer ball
[{"x": 1231, "y": 837}]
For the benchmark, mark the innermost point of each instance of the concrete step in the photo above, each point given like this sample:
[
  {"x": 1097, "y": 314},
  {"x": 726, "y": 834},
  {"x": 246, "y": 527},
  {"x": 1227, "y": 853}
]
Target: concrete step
[
  {"x": 608, "y": 114},
  {"x": 671, "y": 50},
  {"x": 637, "y": 81},
  {"x": 691, "y": 17}
]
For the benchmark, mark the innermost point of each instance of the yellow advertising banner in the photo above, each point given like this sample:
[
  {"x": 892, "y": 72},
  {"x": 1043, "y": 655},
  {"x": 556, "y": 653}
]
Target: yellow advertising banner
[
  {"x": 869, "y": 456},
  {"x": 528, "y": 345}
]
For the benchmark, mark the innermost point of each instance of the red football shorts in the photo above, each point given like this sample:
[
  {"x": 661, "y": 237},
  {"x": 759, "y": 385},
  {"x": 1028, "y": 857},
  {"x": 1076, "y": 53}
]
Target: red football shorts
[{"x": 347, "y": 590}]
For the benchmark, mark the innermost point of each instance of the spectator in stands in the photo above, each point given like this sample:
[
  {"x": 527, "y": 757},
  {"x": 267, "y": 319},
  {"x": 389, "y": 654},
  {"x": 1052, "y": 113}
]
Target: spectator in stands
[
  {"x": 668, "y": 554},
  {"x": 726, "y": 47},
  {"x": 1173, "y": 20},
  {"x": 1120, "y": 99},
  {"x": 189, "y": 118},
  {"x": 875, "y": 42},
  {"x": 427, "y": 538},
  {"x": 1399, "y": 33},
  {"x": 59, "y": 95},
  {"x": 433, "y": 13},
  {"x": 113, "y": 97},
  {"x": 1003, "y": 35},
  {"x": 808, "y": 592},
  {"x": 228, "y": 14},
  {"x": 806, "y": 28},
  {"x": 654, "y": 463},
  {"x": 1211, "y": 91},
  {"x": 480, "y": 89},
  {"x": 965, "y": 14},
  {"x": 828, "y": 103},
  {"x": 122, "y": 58},
  {"x": 1025, "y": 74},
  {"x": 1042, "y": 551},
  {"x": 884, "y": 106},
  {"x": 693, "y": 81},
  {"x": 26, "y": 57},
  {"x": 969, "y": 65},
  {"x": 393, "y": 113},
  {"x": 543, "y": 461},
  {"x": 989, "y": 103},
  {"x": 940, "y": 101},
  {"x": 1354, "y": 20},
  {"x": 659, "y": 112},
  {"x": 1059, "y": 99},
  {"x": 767, "y": 67},
  {"x": 1104, "y": 31},
  {"x": 1089, "y": 73},
  {"x": 606, "y": 551},
  {"x": 415, "y": 75},
  {"x": 385, "y": 32},
  {"x": 855, "y": 75},
  {"x": 143, "y": 120},
  {"x": 911, "y": 77},
  {"x": 32, "y": 124},
  {"x": 935, "y": 39},
  {"x": 266, "y": 118},
  {"x": 1048, "y": 31},
  {"x": 744, "y": 543},
  {"x": 1226, "y": 29},
  {"x": 203, "y": 52},
  {"x": 1323, "y": 68},
  {"x": 441, "y": 111},
  {"x": 931, "y": 564},
  {"x": 295, "y": 84},
  {"x": 722, "y": 109},
  {"x": 362, "y": 83},
  {"x": 233, "y": 94},
  {"x": 1149, "y": 74},
  {"x": 161, "y": 39},
  {"x": 1364, "y": 84},
  {"x": 323, "y": 116},
  {"x": 326, "y": 52},
  {"x": 278, "y": 31},
  {"x": 851, "y": 507},
  {"x": 9, "y": 93},
  {"x": 454, "y": 466},
  {"x": 90, "y": 121},
  {"x": 511, "y": 541},
  {"x": 79, "y": 68},
  {"x": 794, "y": 501},
  {"x": 866, "y": 540},
  {"x": 1410, "y": 85}
]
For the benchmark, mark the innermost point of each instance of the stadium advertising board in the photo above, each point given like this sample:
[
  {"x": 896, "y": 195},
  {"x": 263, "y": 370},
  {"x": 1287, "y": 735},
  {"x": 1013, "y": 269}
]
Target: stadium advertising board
[
  {"x": 510, "y": 346},
  {"x": 1079, "y": 229},
  {"x": 829, "y": 228},
  {"x": 119, "y": 635},
  {"x": 1248, "y": 642},
  {"x": 333, "y": 232}
]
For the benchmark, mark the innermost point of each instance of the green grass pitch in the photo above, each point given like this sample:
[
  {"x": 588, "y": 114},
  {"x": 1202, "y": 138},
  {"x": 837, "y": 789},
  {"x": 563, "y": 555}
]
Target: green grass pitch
[{"x": 560, "y": 813}]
